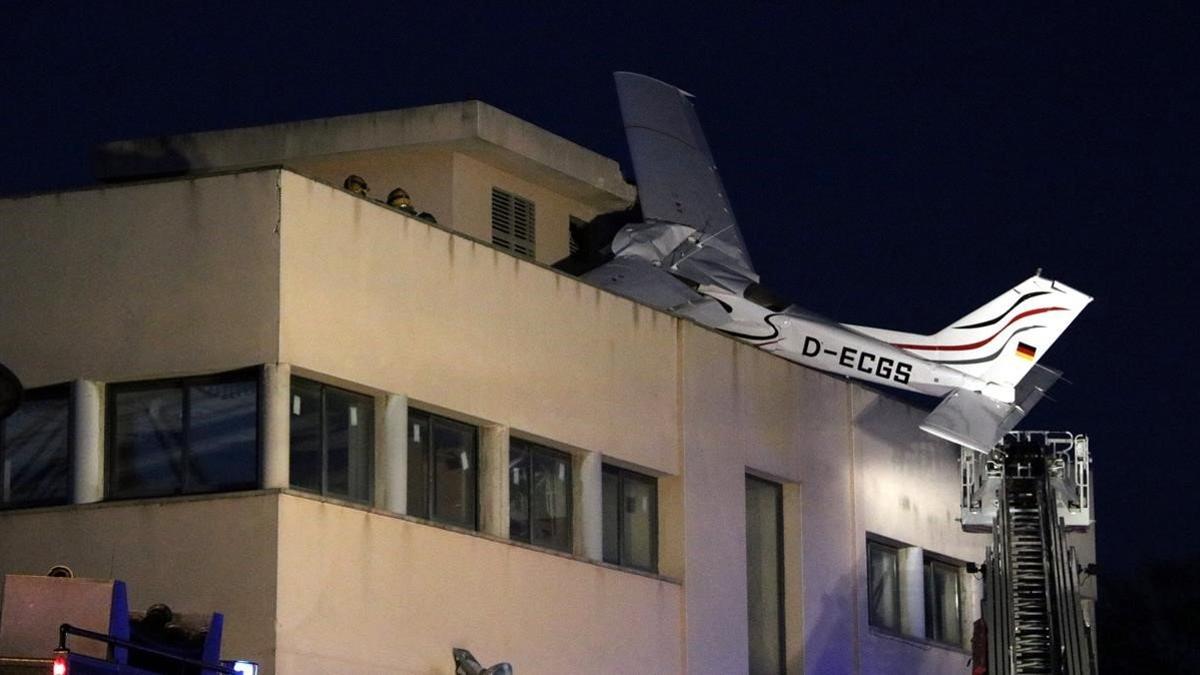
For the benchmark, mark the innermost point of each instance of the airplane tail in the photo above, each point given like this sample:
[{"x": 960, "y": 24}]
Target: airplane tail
[{"x": 1002, "y": 340}]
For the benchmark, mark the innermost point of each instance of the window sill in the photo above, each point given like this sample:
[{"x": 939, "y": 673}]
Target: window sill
[
  {"x": 915, "y": 641},
  {"x": 108, "y": 503},
  {"x": 476, "y": 533},
  {"x": 300, "y": 494}
]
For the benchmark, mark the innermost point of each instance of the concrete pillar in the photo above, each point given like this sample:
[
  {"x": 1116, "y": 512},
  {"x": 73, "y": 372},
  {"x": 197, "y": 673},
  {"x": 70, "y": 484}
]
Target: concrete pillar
[
  {"x": 276, "y": 422},
  {"x": 672, "y": 549},
  {"x": 87, "y": 465},
  {"x": 588, "y": 520},
  {"x": 392, "y": 468},
  {"x": 493, "y": 480},
  {"x": 911, "y": 563}
]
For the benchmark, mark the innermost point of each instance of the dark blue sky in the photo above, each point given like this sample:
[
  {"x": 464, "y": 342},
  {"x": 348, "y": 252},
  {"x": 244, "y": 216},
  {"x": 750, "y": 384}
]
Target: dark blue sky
[{"x": 889, "y": 166}]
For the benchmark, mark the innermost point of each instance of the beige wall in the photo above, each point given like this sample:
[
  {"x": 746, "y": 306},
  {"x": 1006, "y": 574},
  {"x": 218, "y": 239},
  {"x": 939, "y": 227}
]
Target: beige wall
[
  {"x": 473, "y": 183},
  {"x": 199, "y": 554},
  {"x": 457, "y": 189},
  {"x": 859, "y": 464},
  {"x": 426, "y": 175},
  {"x": 141, "y": 280},
  {"x": 368, "y": 593},
  {"x": 747, "y": 411},
  {"x": 908, "y": 490},
  {"x": 374, "y": 297},
  {"x": 909, "y": 479},
  {"x": 717, "y": 445}
]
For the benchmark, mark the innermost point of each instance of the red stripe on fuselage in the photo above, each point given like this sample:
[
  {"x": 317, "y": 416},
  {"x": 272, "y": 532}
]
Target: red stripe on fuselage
[{"x": 974, "y": 345}]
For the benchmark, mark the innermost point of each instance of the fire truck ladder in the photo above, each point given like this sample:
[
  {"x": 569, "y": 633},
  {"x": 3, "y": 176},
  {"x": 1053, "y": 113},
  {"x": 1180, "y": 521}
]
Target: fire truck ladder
[{"x": 1032, "y": 605}]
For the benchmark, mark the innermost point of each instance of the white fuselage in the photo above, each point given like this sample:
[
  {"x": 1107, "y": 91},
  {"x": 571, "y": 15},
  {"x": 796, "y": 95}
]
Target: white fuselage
[{"x": 834, "y": 348}]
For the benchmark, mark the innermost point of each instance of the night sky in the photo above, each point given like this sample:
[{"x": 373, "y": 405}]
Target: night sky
[{"x": 888, "y": 166}]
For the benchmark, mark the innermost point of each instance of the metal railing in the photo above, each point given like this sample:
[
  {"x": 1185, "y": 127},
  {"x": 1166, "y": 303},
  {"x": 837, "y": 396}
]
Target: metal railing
[{"x": 67, "y": 629}]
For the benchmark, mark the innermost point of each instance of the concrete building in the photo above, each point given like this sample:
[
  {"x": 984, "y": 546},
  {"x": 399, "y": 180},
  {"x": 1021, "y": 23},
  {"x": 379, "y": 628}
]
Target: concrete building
[{"x": 368, "y": 438}]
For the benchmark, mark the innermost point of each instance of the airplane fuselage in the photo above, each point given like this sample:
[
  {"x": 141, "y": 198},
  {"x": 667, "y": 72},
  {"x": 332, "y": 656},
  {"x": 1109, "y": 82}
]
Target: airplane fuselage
[{"x": 834, "y": 348}]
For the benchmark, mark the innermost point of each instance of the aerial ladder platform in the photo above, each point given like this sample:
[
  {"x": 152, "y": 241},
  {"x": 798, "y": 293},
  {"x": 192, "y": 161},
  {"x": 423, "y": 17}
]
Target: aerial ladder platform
[{"x": 1029, "y": 492}]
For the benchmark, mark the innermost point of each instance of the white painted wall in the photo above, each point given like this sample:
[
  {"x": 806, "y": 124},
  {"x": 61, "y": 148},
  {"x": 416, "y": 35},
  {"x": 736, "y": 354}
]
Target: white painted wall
[
  {"x": 370, "y": 593},
  {"x": 141, "y": 281},
  {"x": 377, "y": 298}
]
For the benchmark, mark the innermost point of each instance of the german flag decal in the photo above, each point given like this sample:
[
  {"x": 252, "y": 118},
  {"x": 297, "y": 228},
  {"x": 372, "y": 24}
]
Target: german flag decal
[{"x": 1026, "y": 351}]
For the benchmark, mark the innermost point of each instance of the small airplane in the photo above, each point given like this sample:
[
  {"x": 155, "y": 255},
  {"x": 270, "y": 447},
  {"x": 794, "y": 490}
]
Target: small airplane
[{"x": 679, "y": 249}]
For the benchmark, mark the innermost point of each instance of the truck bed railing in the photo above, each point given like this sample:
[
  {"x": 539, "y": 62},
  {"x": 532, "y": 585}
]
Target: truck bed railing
[{"x": 67, "y": 629}]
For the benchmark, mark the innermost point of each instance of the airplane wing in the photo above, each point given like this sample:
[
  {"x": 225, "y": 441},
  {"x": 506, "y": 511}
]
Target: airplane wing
[
  {"x": 979, "y": 422},
  {"x": 677, "y": 179}
]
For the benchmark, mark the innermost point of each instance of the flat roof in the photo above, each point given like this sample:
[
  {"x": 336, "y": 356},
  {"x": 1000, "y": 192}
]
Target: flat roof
[{"x": 473, "y": 128}]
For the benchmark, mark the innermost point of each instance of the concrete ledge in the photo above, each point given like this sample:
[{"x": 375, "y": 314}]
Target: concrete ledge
[{"x": 470, "y": 127}]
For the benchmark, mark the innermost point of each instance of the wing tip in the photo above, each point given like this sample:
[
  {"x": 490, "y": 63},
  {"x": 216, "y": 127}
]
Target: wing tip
[{"x": 631, "y": 76}]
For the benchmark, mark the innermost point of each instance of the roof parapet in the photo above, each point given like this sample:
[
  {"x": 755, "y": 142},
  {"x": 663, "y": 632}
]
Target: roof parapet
[{"x": 470, "y": 127}]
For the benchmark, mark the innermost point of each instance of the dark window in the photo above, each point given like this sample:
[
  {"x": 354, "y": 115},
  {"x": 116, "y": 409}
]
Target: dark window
[
  {"x": 182, "y": 436},
  {"x": 943, "y": 609},
  {"x": 764, "y": 575},
  {"x": 333, "y": 441},
  {"x": 576, "y": 228},
  {"x": 513, "y": 226},
  {"x": 539, "y": 495},
  {"x": 883, "y": 580},
  {"x": 630, "y": 518},
  {"x": 35, "y": 449},
  {"x": 443, "y": 469}
]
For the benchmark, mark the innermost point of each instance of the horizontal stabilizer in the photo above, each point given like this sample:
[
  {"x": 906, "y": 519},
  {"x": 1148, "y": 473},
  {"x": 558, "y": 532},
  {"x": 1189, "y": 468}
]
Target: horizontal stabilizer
[{"x": 979, "y": 422}]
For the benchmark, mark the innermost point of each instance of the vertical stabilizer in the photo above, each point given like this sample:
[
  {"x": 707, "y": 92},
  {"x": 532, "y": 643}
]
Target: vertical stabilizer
[{"x": 1002, "y": 340}]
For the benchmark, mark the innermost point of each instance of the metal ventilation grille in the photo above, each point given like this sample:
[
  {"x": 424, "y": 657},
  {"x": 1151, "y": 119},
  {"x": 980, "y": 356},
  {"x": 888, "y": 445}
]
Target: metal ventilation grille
[{"x": 513, "y": 227}]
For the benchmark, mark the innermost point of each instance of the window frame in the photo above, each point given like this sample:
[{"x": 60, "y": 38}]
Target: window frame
[
  {"x": 780, "y": 563},
  {"x": 622, "y": 475},
  {"x": 324, "y": 436},
  {"x": 928, "y": 563},
  {"x": 430, "y": 479},
  {"x": 49, "y": 392},
  {"x": 531, "y": 449},
  {"x": 112, "y": 389},
  {"x": 872, "y": 616}
]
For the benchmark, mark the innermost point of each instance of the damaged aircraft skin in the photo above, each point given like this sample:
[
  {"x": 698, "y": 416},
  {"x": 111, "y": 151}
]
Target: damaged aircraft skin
[{"x": 679, "y": 249}]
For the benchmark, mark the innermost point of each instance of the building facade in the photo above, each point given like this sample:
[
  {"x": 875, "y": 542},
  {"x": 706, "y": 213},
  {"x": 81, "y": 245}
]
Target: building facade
[{"x": 367, "y": 437}]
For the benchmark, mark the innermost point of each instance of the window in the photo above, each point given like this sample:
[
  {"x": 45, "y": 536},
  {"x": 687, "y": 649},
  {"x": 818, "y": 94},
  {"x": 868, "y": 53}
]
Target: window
[
  {"x": 513, "y": 227},
  {"x": 943, "y": 609},
  {"x": 333, "y": 441},
  {"x": 630, "y": 518},
  {"x": 883, "y": 581},
  {"x": 182, "y": 436},
  {"x": 443, "y": 469},
  {"x": 539, "y": 495},
  {"x": 35, "y": 449},
  {"x": 764, "y": 575}
]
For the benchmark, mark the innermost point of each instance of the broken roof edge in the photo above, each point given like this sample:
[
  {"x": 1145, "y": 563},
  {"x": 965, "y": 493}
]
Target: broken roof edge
[{"x": 471, "y": 127}]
